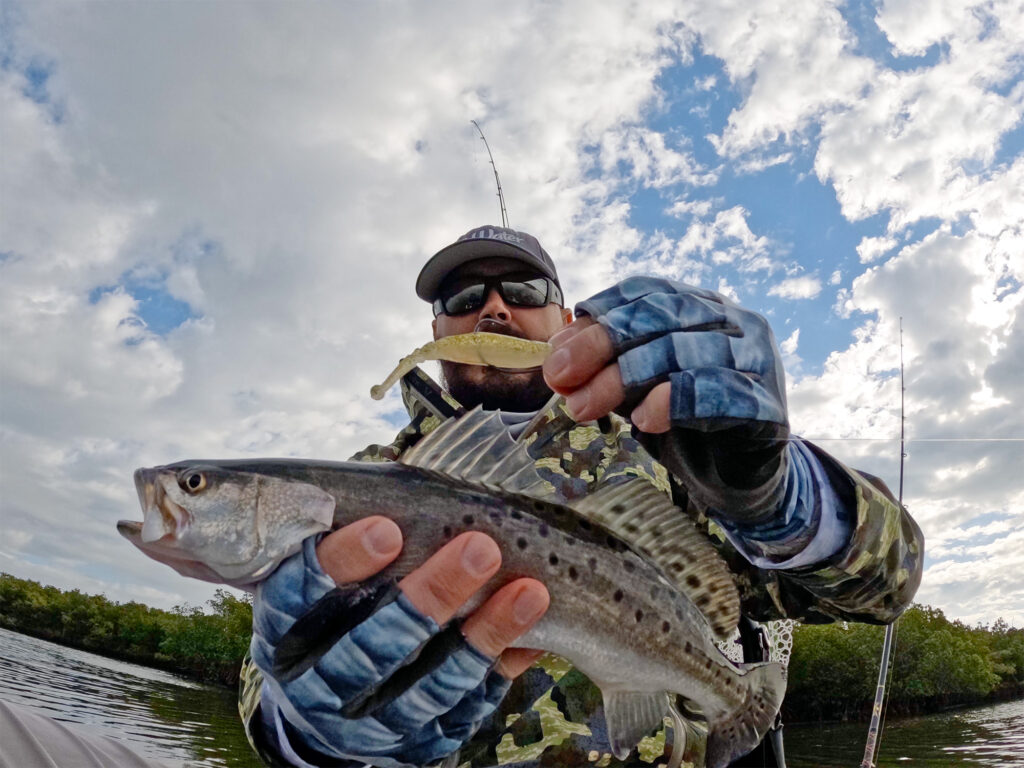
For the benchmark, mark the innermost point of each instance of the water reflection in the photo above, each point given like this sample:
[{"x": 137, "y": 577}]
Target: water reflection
[
  {"x": 985, "y": 736},
  {"x": 186, "y": 724},
  {"x": 161, "y": 715}
]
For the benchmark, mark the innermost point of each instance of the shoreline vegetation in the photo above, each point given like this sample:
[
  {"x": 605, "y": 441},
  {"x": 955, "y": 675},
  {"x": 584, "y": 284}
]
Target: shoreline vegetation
[{"x": 939, "y": 664}]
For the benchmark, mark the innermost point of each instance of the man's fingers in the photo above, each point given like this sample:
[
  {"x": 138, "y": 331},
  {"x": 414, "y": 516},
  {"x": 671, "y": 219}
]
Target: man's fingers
[
  {"x": 359, "y": 550},
  {"x": 580, "y": 351},
  {"x": 653, "y": 415},
  {"x": 440, "y": 586},
  {"x": 515, "y": 661},
  {"x": 506, "y": 615},
  {"x": 599, "y": 396}
]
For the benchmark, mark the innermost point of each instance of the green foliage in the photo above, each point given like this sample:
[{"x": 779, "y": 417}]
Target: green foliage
[
  {"x": 832, "y": 674},
  {"x": 833, "y": 671},
  {"x": 208, "y": 645}
]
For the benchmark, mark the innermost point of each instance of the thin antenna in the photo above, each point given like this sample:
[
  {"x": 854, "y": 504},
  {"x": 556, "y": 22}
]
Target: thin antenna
[
  {"x": 878, "y": 712},
  {"x": 501, "y": 197}
]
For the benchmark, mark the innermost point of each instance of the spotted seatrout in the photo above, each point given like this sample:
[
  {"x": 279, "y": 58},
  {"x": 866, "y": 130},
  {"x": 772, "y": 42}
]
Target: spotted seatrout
[
  {"x": 626, "y": 616},
  {"x": 494, "y": 349}
]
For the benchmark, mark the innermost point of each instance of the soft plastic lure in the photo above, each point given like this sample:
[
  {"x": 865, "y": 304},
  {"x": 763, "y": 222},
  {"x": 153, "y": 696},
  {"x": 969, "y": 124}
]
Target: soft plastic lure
[{"x": 493, "y": 349}]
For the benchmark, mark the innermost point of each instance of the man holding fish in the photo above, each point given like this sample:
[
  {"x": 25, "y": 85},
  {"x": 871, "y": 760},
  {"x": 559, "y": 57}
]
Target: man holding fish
[{"x": 618, "y": 506}]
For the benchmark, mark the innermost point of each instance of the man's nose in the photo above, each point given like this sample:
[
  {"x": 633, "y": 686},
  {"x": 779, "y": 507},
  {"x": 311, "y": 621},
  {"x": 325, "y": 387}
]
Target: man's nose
[{"x": 495, "y": 307}]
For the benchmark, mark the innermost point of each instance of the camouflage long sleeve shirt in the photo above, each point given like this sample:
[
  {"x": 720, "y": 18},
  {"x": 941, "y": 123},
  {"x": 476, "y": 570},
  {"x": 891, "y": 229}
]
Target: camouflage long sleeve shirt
[{"x": 553, "y": 714}]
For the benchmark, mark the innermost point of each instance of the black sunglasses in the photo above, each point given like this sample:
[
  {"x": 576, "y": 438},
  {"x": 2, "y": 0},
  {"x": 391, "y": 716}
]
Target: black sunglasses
[{"x": 470, "y": 293}]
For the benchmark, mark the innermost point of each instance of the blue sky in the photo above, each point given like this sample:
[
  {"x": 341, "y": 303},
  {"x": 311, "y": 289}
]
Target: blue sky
[{"x": 213, "y": 215}]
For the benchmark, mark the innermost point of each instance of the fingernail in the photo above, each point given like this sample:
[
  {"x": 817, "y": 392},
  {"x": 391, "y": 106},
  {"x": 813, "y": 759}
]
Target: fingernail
[
  {"x": 639, "y": 416},
  {"x": 480, "y": 555},
  {"x": 577, "y": 402},
  {"x": 557, "y": 362},
  {"x": 382, "y": 538},
  {"x": 528, "y": 605}
]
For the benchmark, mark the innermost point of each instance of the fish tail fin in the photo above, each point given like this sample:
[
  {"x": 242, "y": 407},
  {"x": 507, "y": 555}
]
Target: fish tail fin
[{"x": 737, "y": 732}]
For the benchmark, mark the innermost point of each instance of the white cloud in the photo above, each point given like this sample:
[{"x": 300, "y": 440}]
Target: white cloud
[
  {"x": 803, "y": 287},
  {"x": 871, "y": 248},
  {"x": 288, "y": 193}
]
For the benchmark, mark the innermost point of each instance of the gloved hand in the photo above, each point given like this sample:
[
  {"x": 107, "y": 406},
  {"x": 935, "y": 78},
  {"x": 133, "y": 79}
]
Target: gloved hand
[
  {"x": 701, "y": 378},
  {"x": 396, "y": 689}
]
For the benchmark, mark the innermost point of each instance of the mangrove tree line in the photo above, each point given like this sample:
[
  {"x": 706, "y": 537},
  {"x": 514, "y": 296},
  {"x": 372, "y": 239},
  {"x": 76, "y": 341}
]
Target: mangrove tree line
[{"x": 832, "y": 672}]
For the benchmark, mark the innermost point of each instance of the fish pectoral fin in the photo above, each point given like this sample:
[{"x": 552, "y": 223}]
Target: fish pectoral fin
[
  {"x": 328, "y": 620},
  {"x": 632, "y": 715}
]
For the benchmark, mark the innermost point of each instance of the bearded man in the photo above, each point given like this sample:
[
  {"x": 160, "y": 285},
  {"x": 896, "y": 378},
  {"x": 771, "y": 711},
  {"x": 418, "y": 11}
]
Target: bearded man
[{"x": 654, "y": 379}]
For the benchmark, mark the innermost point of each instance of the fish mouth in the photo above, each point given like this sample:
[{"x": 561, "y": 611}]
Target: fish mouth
[
  {"x": 162, "y": 518},
  {"x": 165, "y": 552}
]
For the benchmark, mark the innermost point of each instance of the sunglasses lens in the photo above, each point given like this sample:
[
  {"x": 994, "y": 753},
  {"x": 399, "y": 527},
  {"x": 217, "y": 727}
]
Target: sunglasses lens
[
  {"x": 465, "y": 299},
  {"x": 467, "y": 296},
  {"x": 525, "y": 293}
]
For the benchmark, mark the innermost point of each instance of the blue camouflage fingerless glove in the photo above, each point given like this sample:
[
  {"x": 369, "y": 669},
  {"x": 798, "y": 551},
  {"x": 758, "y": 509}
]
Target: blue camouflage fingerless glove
[
  {"x": 728, "y": 405},
  {"x": 395, "y": 690}
]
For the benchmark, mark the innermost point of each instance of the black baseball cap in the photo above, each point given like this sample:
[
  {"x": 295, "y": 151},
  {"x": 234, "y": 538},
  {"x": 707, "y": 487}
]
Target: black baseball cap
[{"x": 482, "y": 243}]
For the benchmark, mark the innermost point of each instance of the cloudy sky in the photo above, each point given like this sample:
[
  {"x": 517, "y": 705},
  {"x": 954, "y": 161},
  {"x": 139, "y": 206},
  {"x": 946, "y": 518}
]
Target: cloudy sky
[{"x": 213, "y": 214}]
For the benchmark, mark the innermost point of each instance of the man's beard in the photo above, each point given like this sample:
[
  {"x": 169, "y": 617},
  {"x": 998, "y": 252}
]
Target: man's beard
[{"x": 474, "y": 385}]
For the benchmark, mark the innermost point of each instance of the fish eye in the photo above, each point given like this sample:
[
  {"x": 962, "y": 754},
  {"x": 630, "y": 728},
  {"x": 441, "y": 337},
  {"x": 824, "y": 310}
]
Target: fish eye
[{"x": 192, "y": 482}]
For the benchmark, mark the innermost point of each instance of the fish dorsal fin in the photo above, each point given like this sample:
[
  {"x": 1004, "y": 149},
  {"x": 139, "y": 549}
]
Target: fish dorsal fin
[
  {"x": 638, "y": 513},
  {"x": 477, "y": 449},
  {"x": 631, "y": 715}
]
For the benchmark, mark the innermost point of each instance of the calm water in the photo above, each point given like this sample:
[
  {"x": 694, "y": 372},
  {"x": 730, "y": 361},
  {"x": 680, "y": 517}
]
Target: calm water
[
  {"x": 163, "y": 716},
  {"x": 187, "y": 724},
  {"x": 992, "y": 735}
]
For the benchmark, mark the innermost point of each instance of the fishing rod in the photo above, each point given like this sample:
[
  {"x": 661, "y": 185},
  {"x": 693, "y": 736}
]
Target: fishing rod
[
  {"x": 874, "y": 729},
  {"x": 501, "y": 196}
]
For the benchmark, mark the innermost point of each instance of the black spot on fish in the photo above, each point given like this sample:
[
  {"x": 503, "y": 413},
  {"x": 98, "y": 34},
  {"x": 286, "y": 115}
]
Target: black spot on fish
[
  {"x": 521, "y": 542},
  {"x": 703, "y": 600},
  {"x": 693, "y": 581},
  {"x": 553, "y": 559},
  {"x": 539, "y": 505},
  {"x": 688, "y": 648},
  {"x": 467, "y": 519},
  {"x": 516, "y": 514},
  {"x": 584, "y": 525},
  {"x": 639, "y": 615},
  {"x": 677, "y": 567},
  {"x": 618, "y": 508},
  {"x": 573, "y": 573},
  {"x": 629, "y": 565},
  {"x": 665, "y": 627},
  {"x": 617, "y": 597},
  {"x": 543, "y": 530},
  {"x": 447, "y": 531},
  {"x": 631, "y": 528}
]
